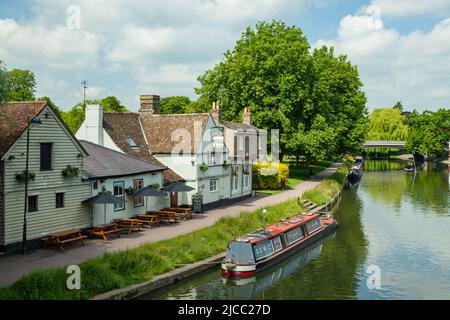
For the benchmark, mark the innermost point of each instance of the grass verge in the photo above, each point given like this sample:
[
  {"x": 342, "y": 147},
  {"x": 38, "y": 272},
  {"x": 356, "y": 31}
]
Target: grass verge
[
  {"x": 328, "y": 188},
  {"x": 119, "y": 269}
]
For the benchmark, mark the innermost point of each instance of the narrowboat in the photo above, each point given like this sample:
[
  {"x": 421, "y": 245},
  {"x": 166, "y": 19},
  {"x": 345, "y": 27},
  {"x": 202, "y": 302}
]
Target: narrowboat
[
  {"x": 356, "y": 170},
  {"x": 255, "y": 251}
]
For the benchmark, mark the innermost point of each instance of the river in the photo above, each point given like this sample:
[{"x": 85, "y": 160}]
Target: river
[{"x": 393, "y": 242}]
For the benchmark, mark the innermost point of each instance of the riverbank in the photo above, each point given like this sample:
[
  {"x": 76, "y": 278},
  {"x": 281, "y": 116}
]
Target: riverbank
[{"x": 123, "y": 268}]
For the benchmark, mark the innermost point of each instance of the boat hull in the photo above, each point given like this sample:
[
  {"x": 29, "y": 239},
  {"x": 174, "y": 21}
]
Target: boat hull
[{"x": 249, "y": 270}]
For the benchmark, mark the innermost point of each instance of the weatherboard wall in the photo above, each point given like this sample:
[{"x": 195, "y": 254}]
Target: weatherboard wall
[{"x": 46, "y": 184}]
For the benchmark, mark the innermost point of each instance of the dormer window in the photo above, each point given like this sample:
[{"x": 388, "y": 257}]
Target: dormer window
[{"x": 131, "y": 143}]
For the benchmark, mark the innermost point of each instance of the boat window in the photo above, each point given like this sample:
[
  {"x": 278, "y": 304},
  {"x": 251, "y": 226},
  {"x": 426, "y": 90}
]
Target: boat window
[
  {"x": 240, "y": 251},
  {"x": 293, "y": 235},
  {"x": 313, "y": 225},
  {"x": 263, "y": 249},
  {"x": 277, "y": 244}
]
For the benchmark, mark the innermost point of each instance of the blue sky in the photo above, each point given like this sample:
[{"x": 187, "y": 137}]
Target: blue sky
[{"x": 125, "y": 48}]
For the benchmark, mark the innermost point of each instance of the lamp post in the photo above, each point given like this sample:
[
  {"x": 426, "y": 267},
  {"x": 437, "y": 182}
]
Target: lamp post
[{"x": 24, "y": 236}]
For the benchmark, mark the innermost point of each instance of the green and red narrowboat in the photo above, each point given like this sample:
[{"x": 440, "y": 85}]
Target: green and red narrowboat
[{"x": 255, "y": 251}]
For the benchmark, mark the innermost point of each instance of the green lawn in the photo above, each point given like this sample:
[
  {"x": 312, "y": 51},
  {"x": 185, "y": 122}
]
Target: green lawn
[{"x": 298, "y": 174}]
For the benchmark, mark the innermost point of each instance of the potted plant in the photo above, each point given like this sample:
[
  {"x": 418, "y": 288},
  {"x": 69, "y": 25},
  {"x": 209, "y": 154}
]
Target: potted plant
[
  {"x": 129, "y": 191},
  {"x": 21, "y": 176},
  {"x": 155, "y": 186},
  {"x": 226, "y": 165},
  {"x": 203, "y": 167},
  {"x": 70, "y": 172}
]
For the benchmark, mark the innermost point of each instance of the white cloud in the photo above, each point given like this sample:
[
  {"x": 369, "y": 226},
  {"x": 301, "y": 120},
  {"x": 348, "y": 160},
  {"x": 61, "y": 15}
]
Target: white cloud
[
  {"x": 413, "y": 68},
  {"x": 160, "y": 46},
  {"x": 404, "y": 8}
]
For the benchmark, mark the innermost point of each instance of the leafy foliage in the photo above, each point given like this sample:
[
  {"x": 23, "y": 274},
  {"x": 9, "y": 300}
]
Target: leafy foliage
[
  {"x": 22, "y": 85},
  {"x": 4, "y": 85},
  {"x": 272, "y": 70},
  {"x": 75, "y": 116},
  {"x": 387, "y": 124},
  {"x": 268, "y": 176},
  {"x": 429, "y": 132}
]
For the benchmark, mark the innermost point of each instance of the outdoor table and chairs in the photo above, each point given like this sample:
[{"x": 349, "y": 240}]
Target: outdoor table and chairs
[
  {"x": 148, "y": 219},
  {"x": 105, "y": 229},
  {"x": 128, "y": 225},
  {"x": 63, "y": 237},
  {"x": 182, "y": 213},
  {"x": 164, "y": 216}
]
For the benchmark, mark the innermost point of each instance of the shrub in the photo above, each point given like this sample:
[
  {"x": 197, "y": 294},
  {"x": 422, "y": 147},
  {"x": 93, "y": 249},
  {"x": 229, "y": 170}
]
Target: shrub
[{"x": 268, "y": 176}]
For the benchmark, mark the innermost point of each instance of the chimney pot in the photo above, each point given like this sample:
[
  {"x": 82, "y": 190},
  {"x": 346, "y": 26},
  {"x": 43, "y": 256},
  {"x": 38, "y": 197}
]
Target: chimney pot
[
  {"x": 215, "y": 112},
  {"x": 150, "y": 103},
  {"x": 247, "y": 116}
]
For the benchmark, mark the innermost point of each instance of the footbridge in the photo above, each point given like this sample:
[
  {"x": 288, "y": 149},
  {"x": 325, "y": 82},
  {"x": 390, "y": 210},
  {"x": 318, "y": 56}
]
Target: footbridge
[{"x": 384, "y": 144}]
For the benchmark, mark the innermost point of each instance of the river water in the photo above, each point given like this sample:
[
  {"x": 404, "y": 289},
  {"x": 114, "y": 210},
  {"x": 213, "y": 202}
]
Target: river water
[{"x": 393, "y": 242}]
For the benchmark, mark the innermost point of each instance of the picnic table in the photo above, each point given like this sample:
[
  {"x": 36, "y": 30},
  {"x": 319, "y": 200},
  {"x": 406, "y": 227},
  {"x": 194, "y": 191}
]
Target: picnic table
[
  {"x": 165, "y": 216},
  {"x": 128, "y": 224},
  {"x": 181, "y": 212},
  {"x": 148, "y": 219},
  {"x": 63, "y": 237},
  {"x": 104, "y": 230}
]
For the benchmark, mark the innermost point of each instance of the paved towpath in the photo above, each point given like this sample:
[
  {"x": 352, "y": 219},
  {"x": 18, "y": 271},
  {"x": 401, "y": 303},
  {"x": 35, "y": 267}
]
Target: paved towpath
[{"x": 14, "y": 266}]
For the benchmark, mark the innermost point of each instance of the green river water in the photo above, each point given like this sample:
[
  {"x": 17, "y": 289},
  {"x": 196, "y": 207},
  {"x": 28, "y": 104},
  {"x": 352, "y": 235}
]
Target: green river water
[{"x": 393, "y": 242}]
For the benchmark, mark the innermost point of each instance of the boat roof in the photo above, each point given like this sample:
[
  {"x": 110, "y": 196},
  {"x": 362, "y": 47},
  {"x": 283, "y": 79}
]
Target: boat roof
[{"x": 277, "y": 228}]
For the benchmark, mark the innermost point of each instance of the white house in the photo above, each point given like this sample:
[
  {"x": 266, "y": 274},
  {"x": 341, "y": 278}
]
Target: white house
[
  {"x": 193, "y": 146},
  {"x": 247, "y": 145},
  {"x": 120, "y": 174}
]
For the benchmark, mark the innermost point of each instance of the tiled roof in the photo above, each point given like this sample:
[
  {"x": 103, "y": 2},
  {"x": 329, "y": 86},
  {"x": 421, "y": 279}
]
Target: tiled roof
[
  {"x": 240, "y": 126},
  {"x": 159, "y": 128},
  {"x": 119, "y": 126},
  {"x": 14, "y": 121},
  {"x": 103, "y": 162}
]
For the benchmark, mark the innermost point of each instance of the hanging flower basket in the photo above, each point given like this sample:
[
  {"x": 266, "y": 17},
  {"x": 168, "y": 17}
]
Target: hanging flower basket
[
  {"x": 70, "y": 172},
  {"x": 204, "y": 167},
  {"x": 226, "y": 165},
  {"x": 21, "y": 176},
  {"x": 246, "y": 172},
  {"x": 155, "y": 186},
  {"x": 130, "y": 190}
]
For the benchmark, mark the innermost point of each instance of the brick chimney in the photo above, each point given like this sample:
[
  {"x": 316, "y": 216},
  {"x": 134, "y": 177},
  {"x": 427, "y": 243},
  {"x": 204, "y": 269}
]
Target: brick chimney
[
  {"x": 215, "y": 112},
  {"x": 247, "y": 116},
  {"x": 150, "y": 103}
]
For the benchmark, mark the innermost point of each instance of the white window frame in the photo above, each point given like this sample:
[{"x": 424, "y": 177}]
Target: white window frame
[
  {"x": 235, "y": 182},
  {"x": 241, "y": 142},
  {"x": 215, "y": 184},
  {"x": 119, "y": 206}
]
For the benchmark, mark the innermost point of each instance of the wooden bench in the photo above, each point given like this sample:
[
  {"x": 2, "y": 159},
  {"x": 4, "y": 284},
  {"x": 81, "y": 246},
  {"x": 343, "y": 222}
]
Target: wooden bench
[
  {"x": 164, "y": 216},
  {"x": 128, "y": 225},
  {"x": 104, "y": 230},
  {"x": 148, "y": 219},
  {"x": 63, "y": 237},
  {"x": 182, "y": 213}
]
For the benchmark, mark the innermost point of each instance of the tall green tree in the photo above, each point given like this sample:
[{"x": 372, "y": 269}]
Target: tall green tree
[
  {"x": 429, "y": 132},
  {"x": 272, "y": 70},
  {"x": 174, "y": 104},
  {"x": 269, "y": 70},
  {"x": 22, "y": 85},
  {"x": 75, "y": 116},
  {"x": 316, "y": 144},
  {"x": 4, "y": 85}
]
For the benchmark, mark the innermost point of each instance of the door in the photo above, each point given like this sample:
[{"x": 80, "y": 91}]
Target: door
[{"x": 174, "y": 199}]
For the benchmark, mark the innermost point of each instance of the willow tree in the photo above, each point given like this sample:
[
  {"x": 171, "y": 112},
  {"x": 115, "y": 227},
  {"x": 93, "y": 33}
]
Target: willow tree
[{"x": 387, "y": 124}]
